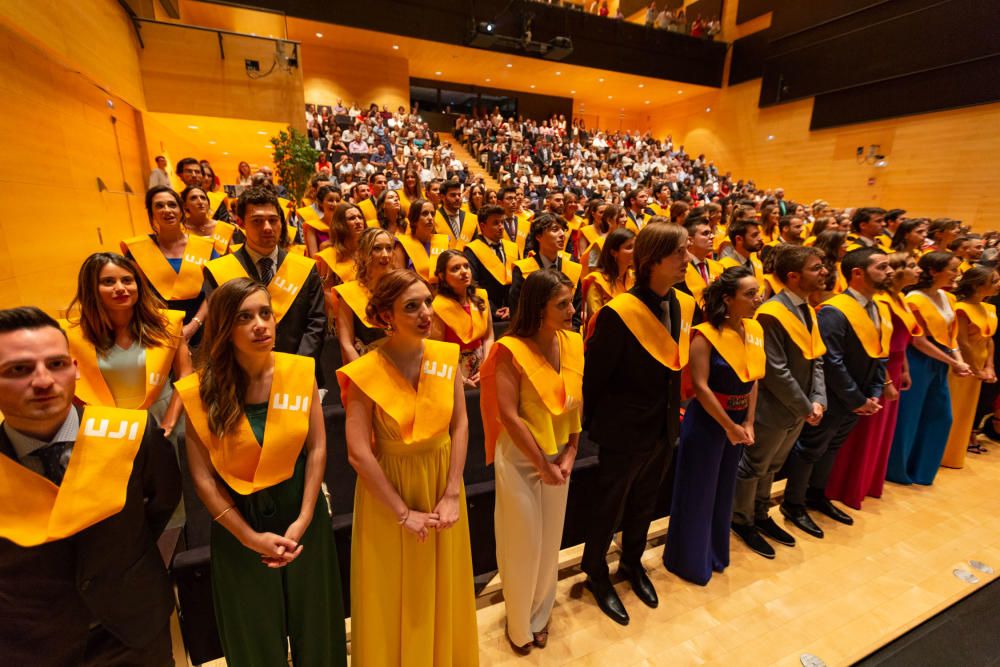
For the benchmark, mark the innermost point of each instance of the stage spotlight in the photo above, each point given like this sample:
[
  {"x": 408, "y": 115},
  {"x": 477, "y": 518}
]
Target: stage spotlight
[{"x": 487, "y": 26}]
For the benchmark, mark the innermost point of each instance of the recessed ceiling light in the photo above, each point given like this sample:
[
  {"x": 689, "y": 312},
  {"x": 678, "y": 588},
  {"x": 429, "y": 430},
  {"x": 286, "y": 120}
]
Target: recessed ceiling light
[
  {"x": 510, "y": 64},
  {"x": 680, "y": 92},
  {"x": 558, "y": 73},
  {"x": 437, "y": 73},
  {"x": 488, "y": 80},
  {"x": 261, "y": 132},
  {"x": 611, "y": 97},
  {"x": 572, "y": 92},
  {"x": 647, "y": 102},
  {"x": 320, "y": 35},
  {"x": 395, "y": 47},
  {"x": 770, "y": 137},
  {"x": 601, "y": 80},
  {"x": 642, "y": 85},
  {"x": 708, "y": 109},
  {"x": 225, "y": 152},
  {"x": 531, "y": 86},
  {"x": 211, "y": 141},
  {"x": 192, "y": 127},
  {"x": 268, "y": 147}
]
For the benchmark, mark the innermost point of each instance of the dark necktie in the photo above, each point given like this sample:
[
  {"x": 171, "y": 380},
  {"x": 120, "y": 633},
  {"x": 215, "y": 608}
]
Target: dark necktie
[
  {"x": 872, "y": 311},
  {"x": 54, "y": 458},
  {"x": 703, "y": 270},
  {"x": 265, "y": 267},
  {"x": 498, "y": 249},
  {"x": 511, "y": 228},
  {"x": 804, "y": 309}
]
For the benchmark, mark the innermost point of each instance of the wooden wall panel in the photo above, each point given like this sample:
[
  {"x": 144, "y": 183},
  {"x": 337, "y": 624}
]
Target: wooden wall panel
[
  {"x": 354, "y": 76},
  {"x": 939, "y": 164}
]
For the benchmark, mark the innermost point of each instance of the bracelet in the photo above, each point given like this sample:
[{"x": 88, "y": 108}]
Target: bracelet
[
  {"x": 887, "y": 383},
  {"x": 405, "y": 517},
  {"x": 223, "y": 513},
  {"x": 195, "y": 319}
]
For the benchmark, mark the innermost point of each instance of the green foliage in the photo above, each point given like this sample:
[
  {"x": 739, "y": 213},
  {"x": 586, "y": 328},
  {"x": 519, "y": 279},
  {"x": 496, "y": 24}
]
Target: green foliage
[{"x": 294, "y": 160}]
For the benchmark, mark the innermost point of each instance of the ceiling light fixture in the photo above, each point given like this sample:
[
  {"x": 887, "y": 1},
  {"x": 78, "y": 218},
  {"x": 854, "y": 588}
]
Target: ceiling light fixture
[
  {"x": 395, "y": 47},
  {"x": 770, "y": 137},
  {"x": 509, "y": 65},
  {"x": 192, "y": 127},
  {"x": 261, "y": 132},
  {"x": 708, "y": 109},
  {"x": 437, "y": 73},
  {"x": 320, "y": 35},
  {"x": 642, "y": 85}
]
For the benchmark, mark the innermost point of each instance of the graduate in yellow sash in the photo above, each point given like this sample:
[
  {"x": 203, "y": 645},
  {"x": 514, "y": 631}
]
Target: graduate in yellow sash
[
  {"x": 458, "y": 225},
  {"x": 612, "y": 217},
  {"x": 745, "y": 242},
  {"x": 172, "y": 260},
  {"x": 125, "y": 343},
  {"x": 832, "y": 243},
  {"x": 727, "y": 359},
  {"x": 491, "y": 258},
  {"x": 338, "y": 263},
  {"x": 516, "y": 224},
  {"x": 977, "y": 322},
  {"x": 530, "y": 401},
  {"x": 701, "y": 270},
  {"x": 419, "y": 245},
  {"x": 548, "y": 235},
  {"x": 412, "y": 601},
  {"x": 389, "y": 214},
  {"x": 256, "y": 444},
  {"x": 317, "y": 230},
  {"x": 462, "y": 314},
  {"x": 590, "y": 230},
  {"x": 411, "y": 190},
  {"x": 85, "y": 495},
  {"x": 613, "y": 275},
  {"x": 357, "y": 334},
  {"x": 198, "y": 220},
  {"x": 925, "y": 415},
  {"x": 635, "y": 209}
]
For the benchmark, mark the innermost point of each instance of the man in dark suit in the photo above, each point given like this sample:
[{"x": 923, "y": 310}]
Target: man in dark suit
[
  {"x": 791, "y": 394},
  {"x": 631, "y": 402},
  {"x": 492, "y": 276},
  {"x": 94, "y": 592},
  {"x": 854, "y": 382},
  {"x": 302, "y": 325}
]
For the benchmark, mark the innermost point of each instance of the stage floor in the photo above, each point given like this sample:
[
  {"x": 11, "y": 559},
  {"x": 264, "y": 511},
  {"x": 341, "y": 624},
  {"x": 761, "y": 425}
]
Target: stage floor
[{"x": 838, "y": 598}]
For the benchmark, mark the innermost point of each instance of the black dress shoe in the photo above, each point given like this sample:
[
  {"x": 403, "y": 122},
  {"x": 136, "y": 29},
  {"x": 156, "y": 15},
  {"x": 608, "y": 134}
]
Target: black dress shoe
[
  {"x": 801, "y": 520},
  {"x": 520, "y": 650},
  {"x": 608, "y": 601},
  {"x": 641, "y": 585},
  {"x": 826, "y": 507},
  {"x": 770, "y": 529},
  {"x": 752, "y": 539}
]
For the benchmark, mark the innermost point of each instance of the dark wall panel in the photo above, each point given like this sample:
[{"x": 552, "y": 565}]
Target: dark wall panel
[
  {"x": 597, "y": 42},
  {"x": 951, "y": 87},
  {"x": 707, "y": 9},
  {"x": 804, "y": 14},
  {"x": 529, "y": 105},
  {"x": 751, "y": 9},
  {"x": 748, "y": 57},
  {"x": 937, "y": 36}
]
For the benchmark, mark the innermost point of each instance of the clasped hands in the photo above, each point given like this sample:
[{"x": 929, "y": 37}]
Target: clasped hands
[{"x": 444, "y": 516}]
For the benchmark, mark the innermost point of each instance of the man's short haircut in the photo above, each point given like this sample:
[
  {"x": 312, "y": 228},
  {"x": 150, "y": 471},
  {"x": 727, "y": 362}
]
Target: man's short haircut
[
  {"x": 317, "y": 179},
  {"x": 185, "y": 162},
  {"x": 858, "y": 259},
  {"x": 490, "y": 209},
  {"x": 354, "y": 188},
  {"x": 792, "y": 259},
  {"x": 692, "y": 223},
  {"x": 654, "y": 242},
  {"x": 504, "y": 190},
  {"x": 258, "y": 196},
  {"x": 785, "y": 221},
  {"x": 544, "y": 221},
  {"x": 957, "y": 243},
  {"x": 450, "y": 185},
  {"x": 894, "y": 213},
  {"x": 372, "y": 177},
  {"x": 863, "y": 215},
  {"x": 26, "y": 317},
  {"x": 739, "y": 228}
]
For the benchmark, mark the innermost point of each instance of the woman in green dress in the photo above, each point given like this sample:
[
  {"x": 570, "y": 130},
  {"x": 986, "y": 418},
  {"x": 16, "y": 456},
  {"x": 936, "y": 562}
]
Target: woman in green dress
[{"x": 257, "y": 451}]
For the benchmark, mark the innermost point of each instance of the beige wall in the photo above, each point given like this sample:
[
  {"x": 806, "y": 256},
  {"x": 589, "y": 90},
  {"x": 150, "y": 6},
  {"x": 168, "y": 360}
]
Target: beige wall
[
  {"x": 940, "y": 164},
  {"x": 331, "y": 74}
]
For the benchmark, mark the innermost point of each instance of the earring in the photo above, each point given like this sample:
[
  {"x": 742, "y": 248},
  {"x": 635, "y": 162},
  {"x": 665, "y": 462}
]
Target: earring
[{"x": 389, "y": 329}]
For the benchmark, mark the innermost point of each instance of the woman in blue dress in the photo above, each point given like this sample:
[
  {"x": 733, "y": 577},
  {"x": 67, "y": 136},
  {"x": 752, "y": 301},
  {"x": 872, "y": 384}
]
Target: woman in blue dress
[{"x": 726, "y": 360}]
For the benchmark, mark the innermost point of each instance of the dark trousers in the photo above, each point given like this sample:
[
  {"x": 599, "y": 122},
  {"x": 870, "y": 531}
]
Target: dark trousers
[
  {"x": 808, "y": 466},
  {"x": 628, "y": 485},
  {"x": 105, "y": 650}
]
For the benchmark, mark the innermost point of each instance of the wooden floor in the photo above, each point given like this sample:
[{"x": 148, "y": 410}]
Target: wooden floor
[{"x": 838, "y": 598}]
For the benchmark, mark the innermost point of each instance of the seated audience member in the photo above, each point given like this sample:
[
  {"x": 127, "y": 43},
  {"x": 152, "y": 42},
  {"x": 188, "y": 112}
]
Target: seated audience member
[
  {"x": 81, "y": 579},
  {"x": 198, "y": 222}
]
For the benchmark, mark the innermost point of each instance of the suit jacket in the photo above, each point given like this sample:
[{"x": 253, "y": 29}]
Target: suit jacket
[
  {"x": 496, "y": 290},
  {"x": 517, "y": 280},
  {"x": 630, "y": 400},
  {"x": 303, "y": 328},
  {"x": 852, "y": 377},
  {"x": 111, "y": 573},
  {"x": 791, "y": 383}
]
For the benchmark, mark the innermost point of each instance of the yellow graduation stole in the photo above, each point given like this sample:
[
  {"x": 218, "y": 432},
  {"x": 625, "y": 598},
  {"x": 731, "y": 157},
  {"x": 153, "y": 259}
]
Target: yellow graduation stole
[
  {"x": 221, "y": 235},
  {"x": 697, "y": 284},
  {"x": 745, "y": 355},
  {"x": 773, "y": 282},
  {"x": 318, "y": 225},
  {"x": 590, "y": 235},
  {"x": 560, "y": 391},
  {"x": 569, "y": 268},
  {"x": 284, "y": 286},
  {"x": 650, "y": 332},
  {"x": 809, "y": 343},
  {"x": 215, "y": 200},
  {"x": 307, "y": 213},
  {"x": 758, "y": 268},
  {"x": 243, "y": 463},
  {"x": 635, "y": 225},
  {"x": 875, "y": 342},
  {"x": 368, "y": 209},
  {"x": 939, "y": 329},
  {"x": 424, "y": 263},
  {"x": 356, "y": 296},
  {"x": 470, "y": 223},
  {"x": 659, "y": 209},
  {"x": 523, "y": 228},
  {"x": 901, "y": 309},
  {"x": 501, "y": 271},
  {"x": 34, "y": 511},
  {"x": 421, "y": 414},
  {"x": 839, "y": 282},
  {"x": 720, "y": 239},
  {"x": 404, "y": 201},
  {"x": 346, "y": 269},
  {"x": 92, "y": 389},
  {"x": 600, "y": 281},
  {"x": 469, "y": 326},
  {"x": 982, "y": 315},
  {"x": 185, "y": 284}
]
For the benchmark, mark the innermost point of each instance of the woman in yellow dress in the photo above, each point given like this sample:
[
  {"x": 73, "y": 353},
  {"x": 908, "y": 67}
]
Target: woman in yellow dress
[
  {"x": 977, "y": 322},
  {"x": 412, "y": 601},
  {"x": 462, "y": 314},
  {"x": 613, "y": 274},
  {"x": 355, "y": 332},
  {"x": 532, "y": 384}
]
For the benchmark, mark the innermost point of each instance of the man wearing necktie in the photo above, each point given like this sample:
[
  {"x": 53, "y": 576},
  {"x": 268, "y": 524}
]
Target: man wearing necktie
[
  {"x": 854, "y": 383},
  {"x": 95, "y": 592},
  {"x": 702, "y": 270},
  {"x": 496, "y": 282},
  {"x": 791, "y": 394}
]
